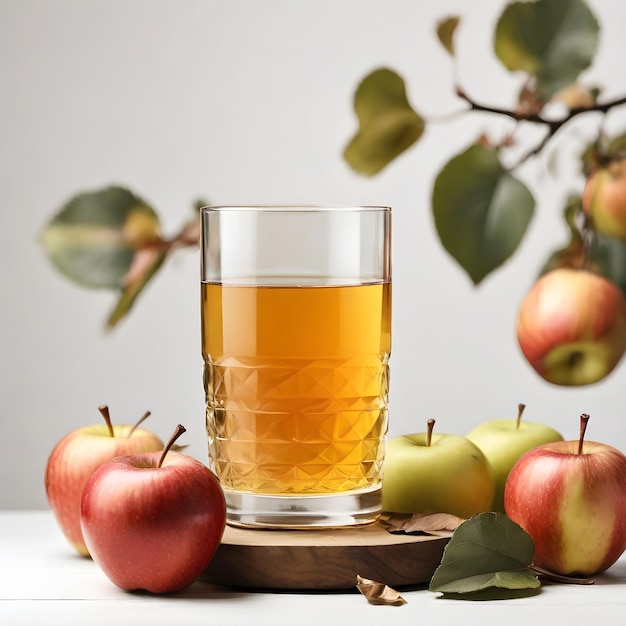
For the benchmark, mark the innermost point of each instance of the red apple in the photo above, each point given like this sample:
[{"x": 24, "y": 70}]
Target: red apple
[
  {"x": 153, "y": 521},
  {"x": 604, "y": 199},
  {"x": 77, "y": 455},
  {"x": 571, "y": 326},
  {"x": 570, "y": 497}
]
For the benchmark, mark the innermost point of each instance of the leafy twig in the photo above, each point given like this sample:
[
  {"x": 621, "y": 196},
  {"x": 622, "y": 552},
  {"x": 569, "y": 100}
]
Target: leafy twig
[{"x": 554, "y": 125}]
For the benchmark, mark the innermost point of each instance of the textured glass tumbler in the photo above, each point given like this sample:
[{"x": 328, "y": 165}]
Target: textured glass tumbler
[{"x": 296, "y": 339}]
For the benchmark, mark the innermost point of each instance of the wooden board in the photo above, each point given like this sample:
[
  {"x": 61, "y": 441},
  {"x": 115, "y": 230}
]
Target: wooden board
[{"x": 322, "y": 559}]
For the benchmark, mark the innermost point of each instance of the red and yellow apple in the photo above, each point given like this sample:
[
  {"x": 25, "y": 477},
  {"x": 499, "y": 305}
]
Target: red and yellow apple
[
  {"x": 604, "y": 199},
  {"x": 504, "y": 441},
  {"x": 436, "y": 473},
  {"x": 77, "y": 455},
  {"x": 571, "y": 326},
  {"x": 570, "y": 497},
  {"x": 153, "y": 521}
]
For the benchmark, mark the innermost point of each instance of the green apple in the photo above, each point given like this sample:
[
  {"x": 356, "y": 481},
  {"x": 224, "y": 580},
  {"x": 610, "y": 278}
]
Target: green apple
[
  {"x": 504, "y": 441},
  {"x": 436, "y": 473}
]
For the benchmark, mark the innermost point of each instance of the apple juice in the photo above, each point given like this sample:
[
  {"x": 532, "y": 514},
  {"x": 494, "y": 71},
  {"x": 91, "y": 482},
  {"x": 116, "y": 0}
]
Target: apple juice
[{"x": 296, "y": 382}]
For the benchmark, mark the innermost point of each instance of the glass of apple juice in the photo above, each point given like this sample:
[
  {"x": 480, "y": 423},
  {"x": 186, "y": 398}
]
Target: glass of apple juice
[{"x": 296, "y": 339}]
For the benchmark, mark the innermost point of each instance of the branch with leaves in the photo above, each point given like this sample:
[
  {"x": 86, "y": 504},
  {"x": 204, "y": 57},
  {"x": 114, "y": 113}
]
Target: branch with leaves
[
  {"x": 110, "y": 238},
  {"x": 481, "y": 209}
]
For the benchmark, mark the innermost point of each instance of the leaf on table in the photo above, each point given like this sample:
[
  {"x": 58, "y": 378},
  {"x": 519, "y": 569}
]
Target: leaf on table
[
  {"x": 445, "y": 32},
  {"x": 388, "y": 125},
  {"x": 487, "y": 551},
  {"x": 378, "y": 593},
  {"x": 440, "y": 524}
]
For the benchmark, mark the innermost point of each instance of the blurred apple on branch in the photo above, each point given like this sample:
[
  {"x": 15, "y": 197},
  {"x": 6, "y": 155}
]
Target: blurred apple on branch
[{"x": 110, "y": 238}]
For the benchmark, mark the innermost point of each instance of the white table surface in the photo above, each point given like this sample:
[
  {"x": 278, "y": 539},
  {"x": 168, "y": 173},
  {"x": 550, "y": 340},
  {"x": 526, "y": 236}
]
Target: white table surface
[{"x": 42, "y": 581}]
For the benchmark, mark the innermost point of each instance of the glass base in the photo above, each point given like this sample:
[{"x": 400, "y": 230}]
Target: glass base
[{"x": 301, "y": 512}]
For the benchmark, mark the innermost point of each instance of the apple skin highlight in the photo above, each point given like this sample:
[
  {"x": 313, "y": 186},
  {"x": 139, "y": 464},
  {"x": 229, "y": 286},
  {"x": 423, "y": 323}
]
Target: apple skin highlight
[{"x": 572, "y": 505}]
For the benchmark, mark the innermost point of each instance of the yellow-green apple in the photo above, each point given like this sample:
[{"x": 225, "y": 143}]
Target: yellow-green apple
[
  {"x": 504, "y": 441},
  {"x": 570, "y": 497},
  {"x": 77, "y": 455},
  {"x": 571, "y": 326},
  {"x": 604, "y": 199},
  {"x": 436, "y": 473},
  {"x": 153, "y": 521}
]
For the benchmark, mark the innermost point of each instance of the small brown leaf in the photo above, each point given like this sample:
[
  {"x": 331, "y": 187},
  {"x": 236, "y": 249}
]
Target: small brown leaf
[
  {"x": 378, "y": 593},
  {"x": 445, "y": 32},
  {"x": 559, "y": 578},
  {"x": 439, "y": 524}
]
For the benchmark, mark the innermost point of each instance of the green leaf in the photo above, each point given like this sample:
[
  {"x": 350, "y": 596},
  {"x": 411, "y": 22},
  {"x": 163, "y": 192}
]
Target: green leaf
[
  {"x": 488, "y": 550},
  {"x": 481, "y": 211},
  {"x": 445, "y": 32},
  {"x": 552, "y": 40},
  {"x": 93, "y": 238},
  {"x": 387, "y": 123},
  {"x": 571, "y": 255},
  {"x": 608, "y": 257}
]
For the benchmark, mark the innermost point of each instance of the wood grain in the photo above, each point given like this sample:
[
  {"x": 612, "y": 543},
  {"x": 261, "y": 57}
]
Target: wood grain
[{"x": 322, "y": 559}]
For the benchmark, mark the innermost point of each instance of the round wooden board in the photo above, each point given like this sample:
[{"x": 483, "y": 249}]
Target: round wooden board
[{"x": 322, "y": 559}]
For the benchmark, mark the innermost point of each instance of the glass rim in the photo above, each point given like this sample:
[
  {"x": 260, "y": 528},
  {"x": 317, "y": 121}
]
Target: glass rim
[{"x": 296, "y": 208}]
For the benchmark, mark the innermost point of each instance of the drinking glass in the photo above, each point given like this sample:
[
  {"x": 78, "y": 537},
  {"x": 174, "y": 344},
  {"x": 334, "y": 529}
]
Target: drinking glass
[{"x": 296, "y": 339}]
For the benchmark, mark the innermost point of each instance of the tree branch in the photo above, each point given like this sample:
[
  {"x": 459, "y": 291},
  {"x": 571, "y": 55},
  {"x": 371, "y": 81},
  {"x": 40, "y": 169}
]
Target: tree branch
[{"x": 537, "y": 118}]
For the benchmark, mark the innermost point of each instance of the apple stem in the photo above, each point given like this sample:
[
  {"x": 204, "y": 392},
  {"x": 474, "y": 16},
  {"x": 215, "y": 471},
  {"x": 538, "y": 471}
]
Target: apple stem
[
  {"x": 520, "y": 410},
  {"x": 180, "y": 429},
  {"x": 145, "y": 415},
  {"x": 584, "y": 418},
  {"x": 429, "y": 432},
  {"x": 588, "y": 237},
  {"x": 104, "y": 411}
]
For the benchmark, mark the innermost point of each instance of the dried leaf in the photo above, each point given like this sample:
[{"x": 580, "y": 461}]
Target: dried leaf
[
  {"x": 439, "y": 524},
  {"x": 378, "y": 593},
  {"x": 576, "y": 96},
  {"x": 559, "y": 578},
  {"x": 445, "y": 32}
]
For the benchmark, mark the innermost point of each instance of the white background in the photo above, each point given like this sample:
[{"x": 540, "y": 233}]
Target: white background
[{"x": 243, "y": 101}]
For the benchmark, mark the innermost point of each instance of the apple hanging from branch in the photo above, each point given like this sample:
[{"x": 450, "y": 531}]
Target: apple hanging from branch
[
  {"x": 604, "y": 198},
  {"x": 153, "y": 521},
  {"x": 571, "y": 326},
  {"x": 77, "y": 455}
]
